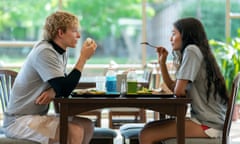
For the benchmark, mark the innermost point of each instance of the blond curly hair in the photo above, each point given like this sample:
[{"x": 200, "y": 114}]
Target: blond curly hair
[{"x": 58, "y": 20}]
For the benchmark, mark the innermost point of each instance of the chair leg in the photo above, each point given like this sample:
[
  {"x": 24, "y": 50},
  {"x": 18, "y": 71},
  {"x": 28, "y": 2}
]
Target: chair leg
[
  {"x": 133, "y": 141},
  {"x": 102, "y": 141},
  {"x": 124, "y": 140},
  {"x": 159, "y": 142},
  {"x": 110, "y": 120},
  {"x": 142, "y": 114}
]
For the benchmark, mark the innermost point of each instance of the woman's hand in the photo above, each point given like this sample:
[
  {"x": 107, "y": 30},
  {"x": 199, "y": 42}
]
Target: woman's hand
[
  {"x": 162, "y": 55},
  {"x": 162, "y": 58},
  {"x": 46, "y": 97},
  {"x": 88, "y": 49}
]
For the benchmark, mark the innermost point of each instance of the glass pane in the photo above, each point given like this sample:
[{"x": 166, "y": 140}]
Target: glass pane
[
  {"x": 114, "y": 25},
  {"x": 21, "y": 21},
  {"x": 211, "y": 13}
]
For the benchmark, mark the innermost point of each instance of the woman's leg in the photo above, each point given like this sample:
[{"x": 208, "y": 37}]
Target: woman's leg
[
  {"x": 156, "y": 131},
  {"x": 160, "y": 130}
]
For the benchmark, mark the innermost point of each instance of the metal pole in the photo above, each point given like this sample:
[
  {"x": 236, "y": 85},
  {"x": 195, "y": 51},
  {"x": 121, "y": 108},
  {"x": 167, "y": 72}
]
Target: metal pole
[
  {"x": 144, "y": 32},
  {"x": 227, "y": 27},
  {"x": 60, "y": 4}
]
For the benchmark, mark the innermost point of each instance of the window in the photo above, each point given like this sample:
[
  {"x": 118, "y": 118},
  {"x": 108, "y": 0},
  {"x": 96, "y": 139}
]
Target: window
[{"x": 117, "y": 26}]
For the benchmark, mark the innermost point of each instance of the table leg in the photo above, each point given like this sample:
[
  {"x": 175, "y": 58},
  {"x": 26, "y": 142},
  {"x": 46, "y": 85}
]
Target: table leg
[
  {"x": 63, "y": 123},
  {"x": 181, "y": 124}
]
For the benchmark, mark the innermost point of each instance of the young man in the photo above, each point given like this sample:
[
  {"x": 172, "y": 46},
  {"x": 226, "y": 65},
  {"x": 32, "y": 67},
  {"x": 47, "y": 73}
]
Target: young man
[{"x": 43, "y": 77}]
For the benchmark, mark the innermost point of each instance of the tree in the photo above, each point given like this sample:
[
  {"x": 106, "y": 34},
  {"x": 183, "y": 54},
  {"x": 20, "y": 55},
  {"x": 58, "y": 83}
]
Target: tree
[
  {"x": 97, "y": 16},
  {"x": 27, "y": 14},
  {"x": 212, "y": 14}
]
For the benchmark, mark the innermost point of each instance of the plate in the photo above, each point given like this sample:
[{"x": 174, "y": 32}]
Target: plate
[
  {"x": 151, "y": 95},
  {"x": 92, "y": 93}
]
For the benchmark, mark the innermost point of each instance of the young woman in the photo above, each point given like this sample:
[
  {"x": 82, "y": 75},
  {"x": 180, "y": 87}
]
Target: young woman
[{"x": 198, "y": 77}]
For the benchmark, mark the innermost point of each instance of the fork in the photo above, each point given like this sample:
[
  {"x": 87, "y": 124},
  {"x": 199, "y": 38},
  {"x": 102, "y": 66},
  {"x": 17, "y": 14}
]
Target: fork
[{"x": 146, "y": 43}]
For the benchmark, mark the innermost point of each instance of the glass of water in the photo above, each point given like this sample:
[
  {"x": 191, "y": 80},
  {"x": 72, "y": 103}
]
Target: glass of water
[{"x": 100, "y": 83}]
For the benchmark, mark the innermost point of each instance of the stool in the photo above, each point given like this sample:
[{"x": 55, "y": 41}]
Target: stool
[
  {"x": 130, "y": 132},
  {"x": 103, "y": 136}
]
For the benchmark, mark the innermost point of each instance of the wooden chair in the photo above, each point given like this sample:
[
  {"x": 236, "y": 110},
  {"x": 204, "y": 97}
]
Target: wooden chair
[
  {"x": 227, "y": 123},
  {"x": 95, "y": 115},
  {"x": 120, "y": 116},
  {"x": 7, "y": 78}
]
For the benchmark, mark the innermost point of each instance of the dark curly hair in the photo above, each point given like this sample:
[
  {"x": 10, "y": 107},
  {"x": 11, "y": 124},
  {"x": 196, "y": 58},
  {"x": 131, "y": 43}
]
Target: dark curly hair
[{"x": 192, "y": 32}]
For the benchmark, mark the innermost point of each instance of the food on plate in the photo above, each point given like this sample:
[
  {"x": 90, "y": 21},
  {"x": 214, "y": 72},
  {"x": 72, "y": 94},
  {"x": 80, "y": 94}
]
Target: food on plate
[
  {"x": 79, "y": 91},
  {"x": 144, "y": 91},
  {"x": 95, "y": 92},
  {"x": 88, "y": 91}
]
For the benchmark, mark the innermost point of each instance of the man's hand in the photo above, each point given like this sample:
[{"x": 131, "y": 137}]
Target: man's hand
[
  {"x": 46, "y": 97},
  {"x": 88, "y": 49}
]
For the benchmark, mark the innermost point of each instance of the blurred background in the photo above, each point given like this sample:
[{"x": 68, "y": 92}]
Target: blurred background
[{"x": 118, "y": 27}]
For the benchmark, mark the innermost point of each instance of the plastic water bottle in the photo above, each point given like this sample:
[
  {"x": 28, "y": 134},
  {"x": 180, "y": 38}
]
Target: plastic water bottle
[
  {"x": 111, "y": 81},
  {"x": 132, "y": 82}
]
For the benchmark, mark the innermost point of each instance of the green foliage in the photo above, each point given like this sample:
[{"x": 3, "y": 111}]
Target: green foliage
[
  {"x": 27, "y": 14},
  {"x": 100, "y": 17},
  {"x": 24, "y": 13},
  {"x": 212, "y": 14},
  {"x": 228, "y": 57}
]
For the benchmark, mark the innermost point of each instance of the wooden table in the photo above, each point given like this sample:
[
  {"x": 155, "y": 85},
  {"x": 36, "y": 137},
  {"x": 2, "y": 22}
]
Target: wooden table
[{"x": 167, "y": 105}]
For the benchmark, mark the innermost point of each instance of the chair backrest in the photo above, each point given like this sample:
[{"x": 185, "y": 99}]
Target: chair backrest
[
  {"x": 7, "y": 78},
  {"x": 230, "y": 109}
]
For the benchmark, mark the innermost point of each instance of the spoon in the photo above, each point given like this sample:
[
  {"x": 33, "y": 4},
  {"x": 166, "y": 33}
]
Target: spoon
[{"x": 146, "y": 43}]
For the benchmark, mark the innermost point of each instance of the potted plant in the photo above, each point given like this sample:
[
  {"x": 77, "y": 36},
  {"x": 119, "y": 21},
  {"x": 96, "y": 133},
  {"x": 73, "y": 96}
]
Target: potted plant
[{"x": 228, "y": 57}]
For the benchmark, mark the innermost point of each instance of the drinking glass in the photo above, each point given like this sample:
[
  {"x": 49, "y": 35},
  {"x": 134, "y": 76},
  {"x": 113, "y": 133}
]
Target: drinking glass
[{"x": 100, "y": 83}]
